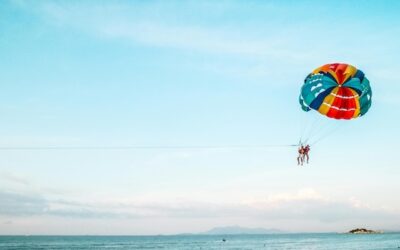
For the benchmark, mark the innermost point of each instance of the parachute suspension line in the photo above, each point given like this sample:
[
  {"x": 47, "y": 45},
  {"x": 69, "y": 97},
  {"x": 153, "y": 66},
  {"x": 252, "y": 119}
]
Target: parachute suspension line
[
  {"x": 333, "y": 130},
  {"x": 304, "y": 126},
  {"x": 307, "y": 125},
  {"x": 321, "y": 128},
  {"x": 324, "y": 135},
  {"x": 312, "y": 125},
  {"x": 301, "y": 126},
  {"x": 316, "y": 127}
]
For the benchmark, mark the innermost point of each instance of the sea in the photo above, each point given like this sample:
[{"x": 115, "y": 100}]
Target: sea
[{"x": 311, "y": 241}]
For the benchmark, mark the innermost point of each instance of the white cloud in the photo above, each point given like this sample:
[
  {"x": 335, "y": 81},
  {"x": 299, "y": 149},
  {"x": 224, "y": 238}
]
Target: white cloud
[
  {"x": 305, "y": 204},
  {"x": 302, "y": 210}
]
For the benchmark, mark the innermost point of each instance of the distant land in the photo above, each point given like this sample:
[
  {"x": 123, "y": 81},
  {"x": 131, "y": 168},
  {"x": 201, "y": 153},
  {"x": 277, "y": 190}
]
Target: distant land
[
  {"x": 364, "y": 231},
  {"x": 241, "y": 230}
]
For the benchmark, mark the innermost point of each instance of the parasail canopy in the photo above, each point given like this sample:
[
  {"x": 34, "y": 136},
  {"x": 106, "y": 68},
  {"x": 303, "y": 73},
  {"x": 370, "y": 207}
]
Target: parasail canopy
[{"x": 336, "y": 90}]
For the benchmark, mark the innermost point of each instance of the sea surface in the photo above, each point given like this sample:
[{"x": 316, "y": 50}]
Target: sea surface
[{"x": 323, "y": 241}]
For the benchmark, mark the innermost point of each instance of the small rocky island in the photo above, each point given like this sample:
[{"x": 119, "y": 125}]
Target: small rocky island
[{"x": 364, "y": 231}]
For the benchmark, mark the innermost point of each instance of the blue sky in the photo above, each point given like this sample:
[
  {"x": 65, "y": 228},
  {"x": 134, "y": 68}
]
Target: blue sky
[{"x": 117, "y": 73}]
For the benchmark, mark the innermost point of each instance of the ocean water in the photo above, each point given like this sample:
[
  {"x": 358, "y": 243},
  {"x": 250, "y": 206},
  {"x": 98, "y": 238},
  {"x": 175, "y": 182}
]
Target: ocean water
[{"x": 238, "y": 242}]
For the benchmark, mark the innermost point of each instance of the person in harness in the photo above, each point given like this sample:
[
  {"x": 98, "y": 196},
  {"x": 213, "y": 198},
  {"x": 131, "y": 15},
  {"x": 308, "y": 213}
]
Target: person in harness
[
  {"x": 306, "y": 150},
  {"x": 300, "y": 158}
]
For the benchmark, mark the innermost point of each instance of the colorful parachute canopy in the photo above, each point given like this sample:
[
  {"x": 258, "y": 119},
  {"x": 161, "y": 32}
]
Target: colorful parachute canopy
[{"x": 336, "y": 90}]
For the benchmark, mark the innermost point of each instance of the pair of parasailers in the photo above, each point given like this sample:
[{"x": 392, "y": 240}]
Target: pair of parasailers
[{"x": 303, "y": 154}]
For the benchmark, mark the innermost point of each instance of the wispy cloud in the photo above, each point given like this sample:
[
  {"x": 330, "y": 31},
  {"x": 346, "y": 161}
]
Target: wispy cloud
[
  {"x": 278, "y": 48},
  {"x": 305, "y": 204},
  {"x": 15, "y": 179},
  {"x": 130, "y": 24},
  {"x": 22, "y": 204}
]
